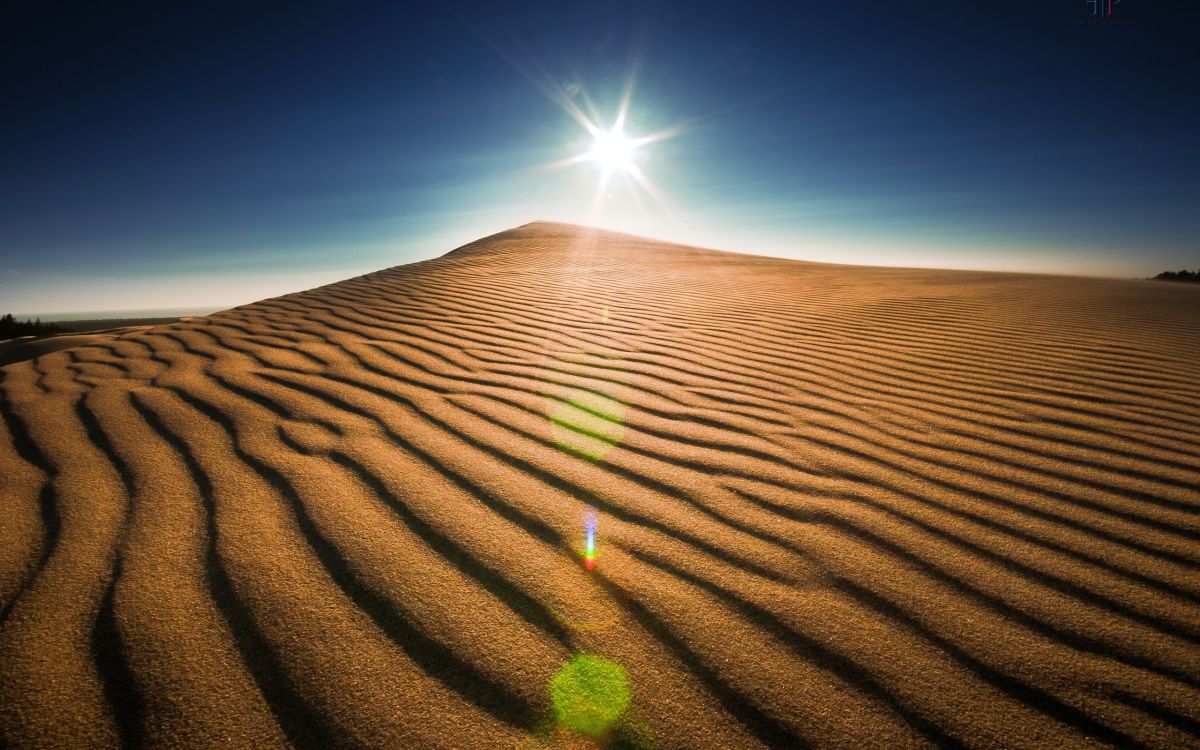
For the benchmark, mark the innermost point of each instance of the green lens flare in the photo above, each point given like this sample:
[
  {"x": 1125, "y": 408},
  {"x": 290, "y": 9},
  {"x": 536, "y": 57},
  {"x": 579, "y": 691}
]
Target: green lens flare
[
  {"x": 590, "y": 694},
  {"x": 587, "y": 424}
]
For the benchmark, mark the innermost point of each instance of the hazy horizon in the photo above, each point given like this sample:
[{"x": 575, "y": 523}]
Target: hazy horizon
[
  {"x": 55, "y": 316},
  {"x": 236, "y": 295}
]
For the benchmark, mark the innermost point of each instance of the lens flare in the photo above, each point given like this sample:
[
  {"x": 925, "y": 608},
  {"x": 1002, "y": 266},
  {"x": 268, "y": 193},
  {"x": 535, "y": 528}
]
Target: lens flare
[
  {"x": 587, "y": 424},
  {"x": 589, "y": 553},
  {"x": 590, "y": 695}
]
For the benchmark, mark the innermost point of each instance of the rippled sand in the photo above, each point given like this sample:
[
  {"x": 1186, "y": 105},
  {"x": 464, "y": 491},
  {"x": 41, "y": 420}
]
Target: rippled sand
[{"x": 834, "y": 506}]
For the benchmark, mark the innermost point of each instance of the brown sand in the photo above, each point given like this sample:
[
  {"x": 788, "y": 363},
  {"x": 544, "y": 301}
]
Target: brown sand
[
  {"x": 837, "y": 506},
  {"x": 27, "y": 347}
]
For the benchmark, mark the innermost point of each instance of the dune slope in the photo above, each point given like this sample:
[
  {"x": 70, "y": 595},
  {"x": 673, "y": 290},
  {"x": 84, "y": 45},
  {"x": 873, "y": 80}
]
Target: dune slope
[{"x": 833, "y": 506}]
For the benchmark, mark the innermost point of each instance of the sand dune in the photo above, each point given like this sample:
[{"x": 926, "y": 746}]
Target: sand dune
[
  {"x": 834, "y": 506},
  {"x": 27, "y": 347}
]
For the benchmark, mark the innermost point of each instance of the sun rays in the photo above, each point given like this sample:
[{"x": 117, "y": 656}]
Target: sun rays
[
  {"x": 621, "y": 155},
  {"x": 617, "y": 154}
]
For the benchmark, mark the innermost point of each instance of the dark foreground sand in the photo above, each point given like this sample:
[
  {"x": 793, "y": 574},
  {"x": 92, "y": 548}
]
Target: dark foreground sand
[
  {"x": 836, "y": 507},
  {"x": 22, "y": 348}
]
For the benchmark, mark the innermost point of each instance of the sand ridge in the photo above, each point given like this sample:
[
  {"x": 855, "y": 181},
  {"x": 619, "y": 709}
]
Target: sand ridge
[{"x": 836, "y": 506}]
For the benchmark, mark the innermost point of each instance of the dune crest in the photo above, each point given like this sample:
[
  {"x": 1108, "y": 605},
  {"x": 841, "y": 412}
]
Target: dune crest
[{"x": 820, "y": 506}]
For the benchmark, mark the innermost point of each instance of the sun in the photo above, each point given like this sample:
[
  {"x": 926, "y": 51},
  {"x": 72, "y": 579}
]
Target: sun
[
  {"x": 613, "y": 151},
  {"x": 619, "y": 157}
]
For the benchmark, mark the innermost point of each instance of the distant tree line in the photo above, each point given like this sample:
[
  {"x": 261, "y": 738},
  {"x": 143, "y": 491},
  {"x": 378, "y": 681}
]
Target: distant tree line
[
  {"x": 1192, "y": 276},
  {"x": 10, "y": 327}
]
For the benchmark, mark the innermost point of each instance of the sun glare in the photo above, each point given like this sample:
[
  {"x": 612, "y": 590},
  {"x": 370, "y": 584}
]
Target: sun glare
[
  {"x": 619, "y": 158},
  {"x": 613, "y": 151}
]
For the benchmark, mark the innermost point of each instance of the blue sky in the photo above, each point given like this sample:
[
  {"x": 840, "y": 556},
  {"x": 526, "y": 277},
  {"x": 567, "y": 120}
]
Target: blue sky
[{"x": 216, "y": 154}]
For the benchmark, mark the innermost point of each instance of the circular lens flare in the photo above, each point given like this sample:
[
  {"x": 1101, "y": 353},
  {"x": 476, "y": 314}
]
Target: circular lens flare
[{"x": 590, "y": 695}]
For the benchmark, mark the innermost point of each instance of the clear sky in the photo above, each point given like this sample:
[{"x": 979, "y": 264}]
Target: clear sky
[{"x": 160, "y": 155}]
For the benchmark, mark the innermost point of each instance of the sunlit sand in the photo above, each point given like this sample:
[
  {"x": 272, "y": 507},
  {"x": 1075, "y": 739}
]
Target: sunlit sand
[{"x": 566, "y": 488}]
